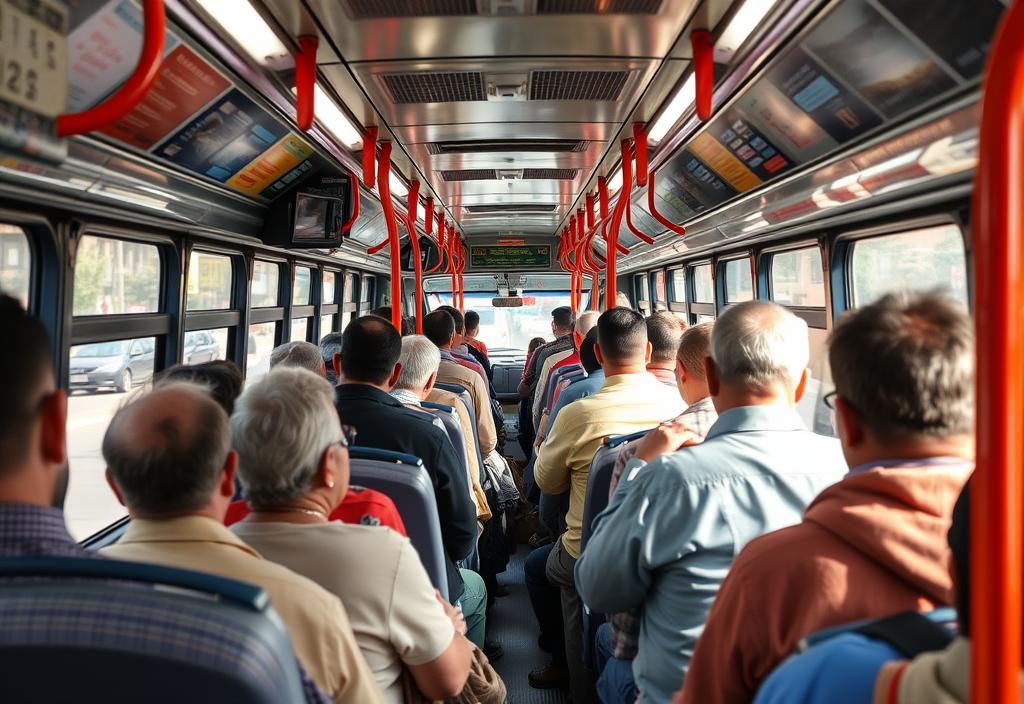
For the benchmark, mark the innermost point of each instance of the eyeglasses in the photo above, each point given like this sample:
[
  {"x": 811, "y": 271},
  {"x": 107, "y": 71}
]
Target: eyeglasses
[{"x": 829, "y": 400}]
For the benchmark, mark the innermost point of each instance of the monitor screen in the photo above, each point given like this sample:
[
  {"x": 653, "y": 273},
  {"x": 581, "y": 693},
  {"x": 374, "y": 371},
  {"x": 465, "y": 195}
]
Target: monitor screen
[{"x": 312, "y": 214}]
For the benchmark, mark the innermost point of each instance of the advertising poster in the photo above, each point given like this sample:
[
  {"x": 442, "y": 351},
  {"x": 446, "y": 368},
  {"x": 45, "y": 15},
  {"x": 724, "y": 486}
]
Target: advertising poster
[
  {"x": 838, "y": 111},
  {"x": 724, "y": 163},
  {"x": 779, "y": 121},
  {"x": 279, "y": 186},
  {"x": 753, "y": 149},
  {"x": 960, "y": 38},
  {"x": 888, "y": 68},
  {"x": 223, "y": 139},
  {"x": 687, "y": 187},
  {"x": 282, "y": 158}
]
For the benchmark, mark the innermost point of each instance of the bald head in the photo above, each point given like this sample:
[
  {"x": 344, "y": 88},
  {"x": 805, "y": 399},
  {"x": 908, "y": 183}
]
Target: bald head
[
  {"x": 759, "y": 344},
  {"x": 586, "y": 322},
  {"x": 166, "y": 450}
]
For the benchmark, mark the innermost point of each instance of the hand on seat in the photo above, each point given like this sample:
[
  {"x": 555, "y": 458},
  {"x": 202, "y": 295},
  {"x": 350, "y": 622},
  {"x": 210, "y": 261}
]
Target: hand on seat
[
  {"x": 667, "y": 437},
  {"x": 458, "y": 620}
]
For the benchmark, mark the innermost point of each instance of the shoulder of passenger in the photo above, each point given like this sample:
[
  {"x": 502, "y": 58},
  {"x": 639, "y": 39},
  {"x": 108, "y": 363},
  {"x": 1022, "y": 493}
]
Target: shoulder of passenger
[{"x": 792, "y": 554}]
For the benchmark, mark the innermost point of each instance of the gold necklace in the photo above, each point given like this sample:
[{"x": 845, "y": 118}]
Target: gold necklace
[{"x": 295, "y": 509}]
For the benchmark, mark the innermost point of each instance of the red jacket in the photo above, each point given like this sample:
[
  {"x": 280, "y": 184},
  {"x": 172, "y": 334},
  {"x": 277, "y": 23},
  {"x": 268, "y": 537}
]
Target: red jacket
[{"x": 360, "y": 506}]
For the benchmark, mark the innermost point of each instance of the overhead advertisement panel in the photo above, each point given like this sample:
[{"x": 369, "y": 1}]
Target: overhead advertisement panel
[
  {"x": 262, "y": 173},
  {"x": 782, "y": 122},
  {"x": 687, "y": 187}
]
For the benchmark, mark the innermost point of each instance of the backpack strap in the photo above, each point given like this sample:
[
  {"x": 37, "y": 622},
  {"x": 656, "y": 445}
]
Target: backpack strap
[{"x": 910, "y": 633}]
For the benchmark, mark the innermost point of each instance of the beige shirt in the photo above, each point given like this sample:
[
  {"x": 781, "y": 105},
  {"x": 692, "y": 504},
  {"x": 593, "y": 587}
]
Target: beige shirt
[
  {"x": 380, "y": 579},
  {"x": 625, "y": 404},
  {"x": 454, "y": 373},
  {"x": 542, "y": 380},
  {"x": 316, "y": 620},
  {"x": 483, "y": 511}
]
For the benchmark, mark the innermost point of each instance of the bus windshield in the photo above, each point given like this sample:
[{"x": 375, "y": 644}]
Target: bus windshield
[{"x": 511, "y": 328}]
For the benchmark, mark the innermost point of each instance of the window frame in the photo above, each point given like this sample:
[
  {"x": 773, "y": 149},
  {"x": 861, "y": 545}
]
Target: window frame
[
  {"x": 233, "y": 318},
  {"x": 721, "y": 283},
  {"x": 695, "y": 308},
  {"x": 332, "y": 308},
  {"x": 641, "y": 284},
  {"x": 814, "y": 316},
  {"x": 657, "y": 304}
]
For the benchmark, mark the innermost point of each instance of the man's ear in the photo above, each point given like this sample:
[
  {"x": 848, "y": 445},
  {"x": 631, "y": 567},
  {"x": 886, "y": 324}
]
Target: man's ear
[
  {"x": 849, "y": 424},
  {"x": 577, "y": 338},
  {"x": 395, "y": 373},
  {"x": 598, "y": 354},
  {"x": 648, "y": 353},
  {"x": 801, "y": 386},
  {"x": 711, "y": 372},
  {"x": 53, "y": 433},
  {"x": 681, "y": 374},
  {"x": 227, "y": 476},
  {"x": 113, "y": 487},
  {"x": 336, "y": 364},
  {"x": 431, "y": 380}
]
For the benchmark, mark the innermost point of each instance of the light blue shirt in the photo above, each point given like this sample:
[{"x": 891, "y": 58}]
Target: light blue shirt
[
  {"x": 581, "y": 388},
  {"x": 675, "y": 525}
]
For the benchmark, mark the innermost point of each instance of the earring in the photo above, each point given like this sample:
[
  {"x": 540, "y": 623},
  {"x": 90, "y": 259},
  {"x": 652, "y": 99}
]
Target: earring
[{"x": 330, "y": 483}]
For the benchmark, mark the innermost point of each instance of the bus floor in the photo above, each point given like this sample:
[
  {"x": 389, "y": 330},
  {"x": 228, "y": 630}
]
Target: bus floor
[{"x": 511, "y": 623}]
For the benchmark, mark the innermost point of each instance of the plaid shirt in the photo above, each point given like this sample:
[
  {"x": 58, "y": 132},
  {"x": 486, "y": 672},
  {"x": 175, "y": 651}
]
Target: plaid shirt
[
  {"x": 27, "y": 530},
  {"x": 625, "y": 626}
]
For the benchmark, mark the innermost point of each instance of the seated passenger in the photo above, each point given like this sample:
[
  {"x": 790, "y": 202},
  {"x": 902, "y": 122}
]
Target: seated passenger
[
  {"x": 579, "y": 388},
  {"x": 221, "y": 378},
  {"x": 664, "y": 330},
  {"x": 330, "y": 349},
  {"x": 562, "y": 321},
  {"x": 533, "y": 345},
  {"x": 617, "y": 638},
  {"x": 408, "y": 325},
  {"x": 370, "y": 351},
  {"x": 472, "y": 330},
  {"x": 462, "y": 351},
  {"x": 293, "y": 462},
  {"x": 671, "y": 532},
  {"x": 854, "y": 668},
  {"x": 873, "y": 544},
  {"x": 299, "y": 353},
  {"x": 585, "y": 322},
  {"x": 439, "y": 327},
  {"x": 630, "y": 400},
  {"x": 169, "y": 460}
]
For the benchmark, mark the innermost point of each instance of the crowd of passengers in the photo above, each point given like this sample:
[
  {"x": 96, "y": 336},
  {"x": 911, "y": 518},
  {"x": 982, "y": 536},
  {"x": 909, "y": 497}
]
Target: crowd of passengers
[{"x": 731, "y": 533}]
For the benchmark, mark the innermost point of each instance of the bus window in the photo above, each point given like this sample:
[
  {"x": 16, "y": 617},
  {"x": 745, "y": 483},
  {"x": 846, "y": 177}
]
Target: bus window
[
  {"x": 327, "y": 293},
  {"x": 678, "y": 286},
  {"x": 642, "y": 294},
  {"x": 658, "y": 284},
  {"x": 351, "y": 284},
  {"x": 703, "y": 285},
  {"x": 326, "y": 324},
  {"x": 266, "y": 279},
  {"x": 100, "y": 375},
  {"x": 739, "y": 284},
  {"x": 209, "y": 282},
  {"x": 116, "y": 276},
  {"x": 300, "y": 328},
  {"x": 921, "y": 259},
  {"x": 705, "y": 318},
  {"x": 15, "y": 263},
  {"x": 797, "y": 278},
  {"x": 261, "y": 342},
  {"x": 302, "y": 286},
  {"x": 204, "y": 346}
]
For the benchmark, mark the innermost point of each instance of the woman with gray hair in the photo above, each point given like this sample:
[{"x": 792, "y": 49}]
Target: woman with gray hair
[{"x": 293, "y": 463}]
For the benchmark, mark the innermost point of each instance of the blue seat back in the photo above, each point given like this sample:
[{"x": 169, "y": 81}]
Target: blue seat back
[
  {"x": 454, "y": 431},
  {"x": 90, "y": 629},
  {"x": 406, "y": 481},
  {"x": 600, "y": 479},
  {"x": 467, "y": 402},
  {"x": 556, "y": 376}
]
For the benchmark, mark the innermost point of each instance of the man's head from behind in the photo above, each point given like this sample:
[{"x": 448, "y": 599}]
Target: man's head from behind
[
  {"x": 588, "y": 354},
  {"x": 664, "y": 331},
  {"x": 904, "y": 374},
  {"x": 561, "y": 321},
  {"x": 420, "y": 361},
  {"x": 298, "y": 353},
  {"x": 586, "y": 322},
  {"x": 33, "y": 412},
  {"x": 691, "y": 358},
  {"x": 622, "y": 345},
  {"x": 370, "y": 348},
  {"x": 472, "y": 323},
  {"x": 168, "y": 453},
  {"x": 759, "y": 355},
  {"x": 221, "y": 378},
  {"x": 439, "y": 327},
  {"x": 330, "y": 353}
]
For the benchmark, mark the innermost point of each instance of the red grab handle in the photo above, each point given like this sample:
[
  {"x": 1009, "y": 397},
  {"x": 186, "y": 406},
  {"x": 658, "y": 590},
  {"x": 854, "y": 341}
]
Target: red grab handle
[
  {"x": 369, "y": 154},
  {"x": 305, "y": 79},
  {"x": 355, "y": 204},
  {"x": 704, "y": 70}
]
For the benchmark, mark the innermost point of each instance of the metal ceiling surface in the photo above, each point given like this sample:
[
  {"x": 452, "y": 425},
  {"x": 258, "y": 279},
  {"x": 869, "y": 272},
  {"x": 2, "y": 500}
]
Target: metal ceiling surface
[{"x": 429, "y": 72}]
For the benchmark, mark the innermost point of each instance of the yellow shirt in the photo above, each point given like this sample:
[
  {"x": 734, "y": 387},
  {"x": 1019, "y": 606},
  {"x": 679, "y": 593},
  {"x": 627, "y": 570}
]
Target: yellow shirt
[
  {"x": 317, "y": 623},
  {"x": 625, "y": 404}
]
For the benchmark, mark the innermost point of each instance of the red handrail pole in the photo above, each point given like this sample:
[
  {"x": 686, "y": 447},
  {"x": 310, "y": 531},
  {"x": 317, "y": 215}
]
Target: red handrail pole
[
  {"x": 611, "y": 292},
  {"x": 305, "y": 79},
  {"x": 384, "y": 189},
  {"x": 133, "y": 90},
  {"x": 678, "y": 229},
  {"x": 996, "y": 500},
  {"x": 369, "y": 154},
  {"x": 440, "y": 244},
  {"x": 627, "y": 178},
  {"x": 428, "y": 215},
  {"x": 355, "y": 204},
  {"x": 462, "y": 268},
  {"x": 417, "y": 265},
  {"x": 602, "y": 192},
  {"x": 704, "y": 70},
  {"x": 594, "y": 291},
  {"x": 640, "y": 148},
  {"x": 590, "y": 211},
  {"x": 453, "y": 264}
]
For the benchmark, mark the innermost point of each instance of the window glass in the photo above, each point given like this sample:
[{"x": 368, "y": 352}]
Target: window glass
[
  {"x": 204, "y": 346},
  {"x": 15, "y": 263},
  {"x": 100, "y": 376},
  {"x": 703, "y": 284},
  {"x": 209, "y": 282},
  {"x": 797, "y": 278},
  {"x": 299, "y": 328},
  {"x": 266, "y": 278},
  {"x": 366, "y": 290},
  {"x": 659, "y": 288},
  {"x": 261, "y": 343},
  {"x": 351, "y": 284},
  {"x": 326, "y": 324},
  {"x": 115, "y": 276},
  {"x": 640, "y": 281},
  {"x": 511, "y": 328},
  {"x": 705, "y": 319},
  {"x": 679, "y": 286},
  {"x": 739, "y": 285},
  {"x": 327, "y": 287},
  {"x": 923, "y": 259},
  {"x": 301, "y": 291}
]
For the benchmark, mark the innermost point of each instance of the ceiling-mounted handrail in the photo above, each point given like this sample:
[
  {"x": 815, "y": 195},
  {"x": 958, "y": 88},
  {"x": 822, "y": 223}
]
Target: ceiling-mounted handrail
[
  {"x": 428, "y": 215},
  {"x": 369, "y": 155},
  {"x": 704, "y": 70},
  {"x": 355, "y": 203},
  {"x": 627, "y": 182},
  {"x": 997, "y": 516},
  {"x": 640, "y": 149},
  {"x": 440, "y": 244},
  {"x": 305, "y": 79},
  {"x": 384, "y": 189},
  {"x": 453, "y": 264},
  {"x": 602, "y": 193},
  {"x": 612, "y": 236},
  {"x": 678, "y": 229},
  {"x": 133, "y": 90},
  {"x": 591, "y": 220},
  {"x": 417, "y": 265}
]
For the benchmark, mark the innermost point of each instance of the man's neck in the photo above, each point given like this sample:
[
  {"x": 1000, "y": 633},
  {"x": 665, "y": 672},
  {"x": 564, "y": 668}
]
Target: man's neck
[
  {"x": 692, "y": 396},
  {"x": 380, "y": 387},
  {"x": 729, "y": 398},
  {"x": 213, "y": 512},
  {"x": 667, "y": 365},
  {"x": 617, "y": 369},
  {"x": 961, "y": 446}
]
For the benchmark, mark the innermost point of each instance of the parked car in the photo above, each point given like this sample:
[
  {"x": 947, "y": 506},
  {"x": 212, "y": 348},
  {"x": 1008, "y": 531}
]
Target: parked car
[
  {"x": 199, "y": 347},
  {"x": 120, "y": 364}
]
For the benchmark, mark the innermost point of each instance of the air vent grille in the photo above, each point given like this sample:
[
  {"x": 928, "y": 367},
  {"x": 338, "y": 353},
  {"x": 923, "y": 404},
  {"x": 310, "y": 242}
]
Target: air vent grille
[
  {"x": 508, "y": 145},
  {"x": 469, "y": 175},
  {"x": 577, "y": 85},
  {"x": 435, "y": 87},
  {"x": 550, "y": 174},
  {"x": 511, "y": 208},
  {"x": 598, "y": 7},
  {"x": 380, "y": 9}
]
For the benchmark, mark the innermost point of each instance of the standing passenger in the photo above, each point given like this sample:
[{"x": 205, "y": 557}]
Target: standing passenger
[
  {"x": 674, "y": 526},
  {"x": 875, "y": 543}
]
